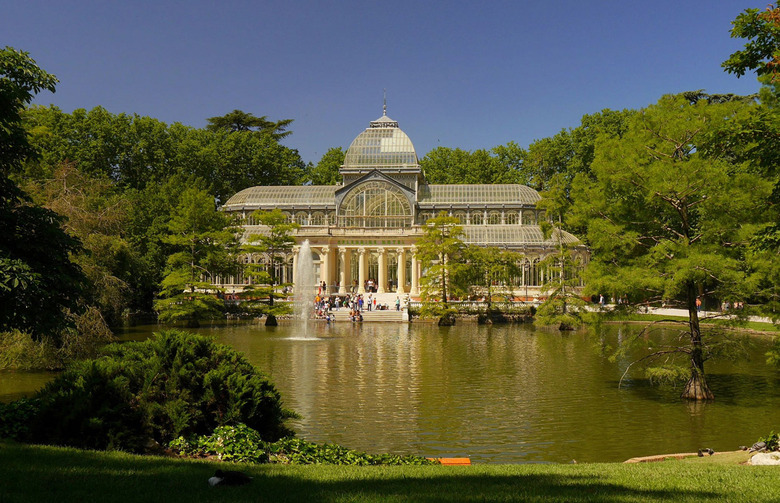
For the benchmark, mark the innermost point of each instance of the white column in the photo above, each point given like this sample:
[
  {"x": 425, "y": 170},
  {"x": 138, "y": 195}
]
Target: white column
[
  {"x": 382, "y": 271},
  {"x": 362, "y": 270},
  {"x": 415, "y": 274},
  {"x": 325, "y": 265},
  {"x": 401, "y": 271},
  {"x": 296, "y": 250},
  {"x": 344, "y": 273}
]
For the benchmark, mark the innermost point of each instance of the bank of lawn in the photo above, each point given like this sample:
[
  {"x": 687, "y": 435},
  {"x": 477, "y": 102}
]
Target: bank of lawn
[
  {"x": 755, "y": 326},
  {"x": 41, "y": 473}
]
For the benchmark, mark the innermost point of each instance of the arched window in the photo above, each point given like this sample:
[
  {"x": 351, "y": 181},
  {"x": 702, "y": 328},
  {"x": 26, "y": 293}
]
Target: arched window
[
  {"x": 529, "y": 218},
  {"x": 494, "y": 217},
  {"x": 477, "y": 217},
  {"x": 424, "y": 216},
  {"x": 302, "y": 218},
  {"x": 318, "y": 218},
  {"x": 375, "y": 204},
  {"x": 511, "y": 218},
  {"x": 461, "y": 216}
]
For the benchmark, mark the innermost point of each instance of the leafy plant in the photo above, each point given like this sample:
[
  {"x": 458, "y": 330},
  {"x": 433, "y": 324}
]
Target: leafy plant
[
  {"x": 15, "y": 418},
  {"x": 175, "y": 384},
  {"x": 240, "y": 443},
  {"x": 772, "y": 441}
]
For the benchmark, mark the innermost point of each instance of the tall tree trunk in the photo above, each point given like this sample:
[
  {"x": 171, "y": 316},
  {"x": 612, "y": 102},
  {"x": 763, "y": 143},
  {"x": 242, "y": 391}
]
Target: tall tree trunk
[
  {"x": 444, "y": 280},
  {"x": 696, "y": 388}
]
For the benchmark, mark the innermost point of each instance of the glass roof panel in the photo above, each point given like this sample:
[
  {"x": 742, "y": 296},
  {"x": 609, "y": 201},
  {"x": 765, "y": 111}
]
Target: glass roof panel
[
  {"x": 511, "y": 235},
  {"x": 283, "y": 196},
  {"x": 478, "y": 194}
]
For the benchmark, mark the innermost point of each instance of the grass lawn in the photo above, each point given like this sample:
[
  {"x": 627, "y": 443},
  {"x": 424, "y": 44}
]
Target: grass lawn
[
  {"x": 749, "y": 325},
  {"x": 44, "y": 474}
]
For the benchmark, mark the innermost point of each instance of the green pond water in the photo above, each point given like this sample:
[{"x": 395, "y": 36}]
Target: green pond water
[{"x": 500, "y": 394}]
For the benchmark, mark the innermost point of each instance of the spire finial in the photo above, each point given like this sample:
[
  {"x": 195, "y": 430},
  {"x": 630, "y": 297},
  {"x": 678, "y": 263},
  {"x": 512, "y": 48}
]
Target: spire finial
[{"x": 384, "y": 106}]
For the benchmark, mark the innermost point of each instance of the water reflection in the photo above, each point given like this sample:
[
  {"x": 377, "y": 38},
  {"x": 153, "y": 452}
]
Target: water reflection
[{"x": 497, "y": 394}]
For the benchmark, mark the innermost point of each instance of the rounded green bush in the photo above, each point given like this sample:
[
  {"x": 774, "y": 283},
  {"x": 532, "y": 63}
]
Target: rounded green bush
[{"x": 174, "y": 384}]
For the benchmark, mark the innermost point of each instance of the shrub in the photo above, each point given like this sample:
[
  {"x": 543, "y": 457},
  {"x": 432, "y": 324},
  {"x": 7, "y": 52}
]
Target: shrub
[
  {"x": 772, "y": 441},
  {"x": 19, "y": 351},
  {"x": 174, "y": 384},
  {"x": 15, "y": 418},
  {"x": 239, "y": 443},
  {"x": 242, "y": 444}
]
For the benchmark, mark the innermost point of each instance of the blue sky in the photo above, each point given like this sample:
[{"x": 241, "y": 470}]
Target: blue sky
[{"x": 458, "y": 74}]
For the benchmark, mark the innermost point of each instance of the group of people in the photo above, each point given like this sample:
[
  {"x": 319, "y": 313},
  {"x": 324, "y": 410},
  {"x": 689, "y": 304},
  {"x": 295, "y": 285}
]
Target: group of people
[{"x": 356, "y": 304}]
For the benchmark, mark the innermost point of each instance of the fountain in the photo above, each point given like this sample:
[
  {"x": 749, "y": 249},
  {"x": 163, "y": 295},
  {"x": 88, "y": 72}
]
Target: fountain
[{"x": 304, "y": 283}]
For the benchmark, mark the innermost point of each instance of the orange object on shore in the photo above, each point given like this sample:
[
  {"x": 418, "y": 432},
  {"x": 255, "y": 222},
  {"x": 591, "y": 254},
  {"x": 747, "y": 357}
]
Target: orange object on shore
[{"x": 453, "y": 461}]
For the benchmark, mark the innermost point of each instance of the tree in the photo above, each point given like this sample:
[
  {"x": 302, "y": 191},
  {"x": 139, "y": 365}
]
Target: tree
[
  {"x": 20, "y": 80},
  {"x": 326, "y": 172},
  {"x": 446, "y": 165},
  {"x": 97, "y": 215},
  {"x": 208, "y": 243},
  {"x": 753, "y": 140},
  {"x": 571, "y": 151},
  {"x": 563, "y": 305},
  {"x": 135, "y": 151},
  {"x": 489, "y": 267},
  {"x": 40, "y": 288},
  {"x": 243, "y": 121},
  {"x": 666, "y": 223},
  {"x": 750, "y": 141},
  {"x": 441, "y": 252},
  {"x": 762, "y": 51},
  {"x": 275, "y": 242}
]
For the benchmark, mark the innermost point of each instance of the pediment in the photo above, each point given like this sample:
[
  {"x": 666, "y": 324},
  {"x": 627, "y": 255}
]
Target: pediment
[{"x": 373, "y": 176}]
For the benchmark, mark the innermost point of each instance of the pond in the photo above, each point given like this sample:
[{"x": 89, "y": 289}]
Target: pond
[{"x": 498, "y": 394}]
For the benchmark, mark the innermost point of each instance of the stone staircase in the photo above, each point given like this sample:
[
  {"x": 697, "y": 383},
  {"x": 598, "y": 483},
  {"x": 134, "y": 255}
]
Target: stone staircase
[{"x": 388, "y": 315}]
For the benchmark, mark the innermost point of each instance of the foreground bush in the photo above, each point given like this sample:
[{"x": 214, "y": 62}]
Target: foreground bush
[
  {"x": 175, "y": 384},
  {"x": 242, "y": 444}
]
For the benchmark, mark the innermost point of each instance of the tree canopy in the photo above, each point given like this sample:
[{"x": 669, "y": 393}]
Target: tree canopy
[
  {"x": 664, "y": 222},
  {"x": 40, "y": 288},
  {"x": 238, "y": 120},
  {"x": 20, "y": 80},
  {"x": 326, "y": 172},
  {"x": 447, "y": 165},
  {"x": 206, "y": 246},
  {"x": 762, "y": 50},
  {"x": 135, "y": 151}
]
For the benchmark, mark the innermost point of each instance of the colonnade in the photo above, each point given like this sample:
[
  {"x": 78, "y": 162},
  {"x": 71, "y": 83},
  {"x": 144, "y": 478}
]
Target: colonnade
[{"x": 337, "y": 268}]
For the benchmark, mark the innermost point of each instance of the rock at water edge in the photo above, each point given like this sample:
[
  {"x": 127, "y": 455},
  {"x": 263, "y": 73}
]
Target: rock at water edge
[{"x": 766, "y": 458}]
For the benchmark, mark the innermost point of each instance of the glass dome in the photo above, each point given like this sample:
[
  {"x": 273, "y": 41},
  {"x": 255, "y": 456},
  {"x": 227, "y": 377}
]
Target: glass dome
[{"x": 382, "y": 145}]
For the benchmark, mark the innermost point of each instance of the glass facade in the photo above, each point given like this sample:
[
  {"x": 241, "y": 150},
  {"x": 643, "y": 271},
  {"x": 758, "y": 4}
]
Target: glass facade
[
  {"x": 367, "y": 227},
  {"x": 375, "y": 204}
]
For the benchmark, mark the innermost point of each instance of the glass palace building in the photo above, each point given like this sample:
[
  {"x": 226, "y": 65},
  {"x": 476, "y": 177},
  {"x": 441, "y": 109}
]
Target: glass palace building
[{"x": 366, "y": 228}]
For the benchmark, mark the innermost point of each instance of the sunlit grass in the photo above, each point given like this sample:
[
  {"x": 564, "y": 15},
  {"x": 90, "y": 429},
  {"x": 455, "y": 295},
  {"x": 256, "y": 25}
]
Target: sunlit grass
[
  {"x": 33, "y": 473},
  {"x": 750, "y": 325}
]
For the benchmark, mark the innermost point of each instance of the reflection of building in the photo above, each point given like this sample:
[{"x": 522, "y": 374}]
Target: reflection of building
[{"x": 366, "y": 228}]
